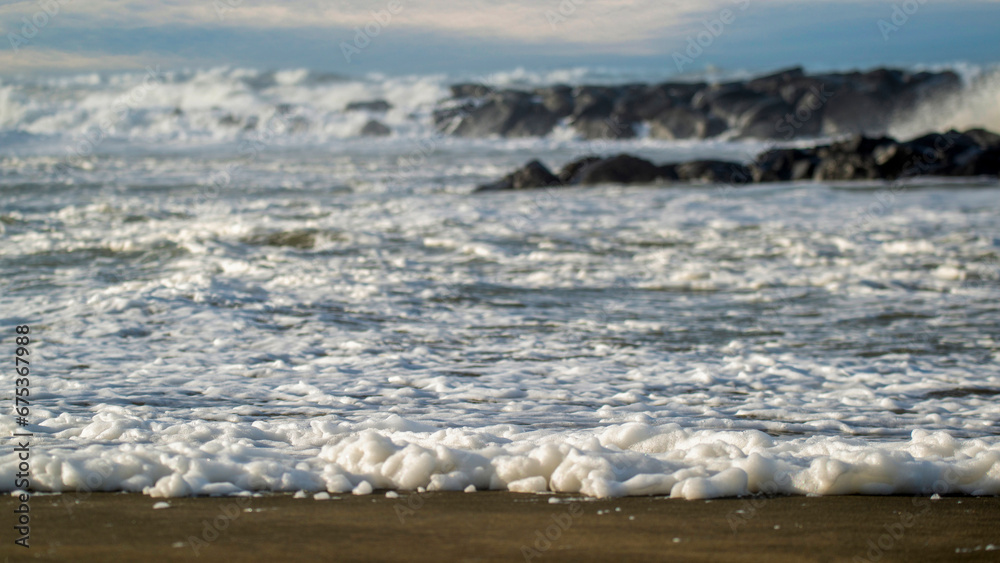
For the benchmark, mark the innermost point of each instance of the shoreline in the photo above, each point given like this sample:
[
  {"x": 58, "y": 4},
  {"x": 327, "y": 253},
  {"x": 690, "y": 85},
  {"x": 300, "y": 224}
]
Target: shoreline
[{"x": 503, "y": 526}]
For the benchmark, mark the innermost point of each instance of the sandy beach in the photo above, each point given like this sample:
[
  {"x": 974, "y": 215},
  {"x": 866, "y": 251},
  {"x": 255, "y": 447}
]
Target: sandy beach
[{"x": 495, "y": 526}]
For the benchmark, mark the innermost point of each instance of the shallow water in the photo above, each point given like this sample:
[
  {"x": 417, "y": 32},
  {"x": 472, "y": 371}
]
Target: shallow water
[{"x": 346, "y": 311}]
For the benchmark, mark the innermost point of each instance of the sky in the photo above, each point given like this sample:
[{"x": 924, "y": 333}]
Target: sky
[{"x": 418, "y": 36}]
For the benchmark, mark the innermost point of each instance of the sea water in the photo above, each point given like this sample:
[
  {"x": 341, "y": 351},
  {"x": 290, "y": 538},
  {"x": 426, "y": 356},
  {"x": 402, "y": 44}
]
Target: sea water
[{"x": 229, "y": 290}]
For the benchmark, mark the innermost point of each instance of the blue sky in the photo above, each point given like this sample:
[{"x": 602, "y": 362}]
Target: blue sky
[{"x": 486, "y": 35}]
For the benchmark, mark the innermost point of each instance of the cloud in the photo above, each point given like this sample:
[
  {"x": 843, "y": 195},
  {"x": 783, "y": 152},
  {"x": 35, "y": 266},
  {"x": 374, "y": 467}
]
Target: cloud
[
  {"x": 548, "y": 21},
  {"x": 51, "y": 60},
  {"x": 532, "y": 21}
]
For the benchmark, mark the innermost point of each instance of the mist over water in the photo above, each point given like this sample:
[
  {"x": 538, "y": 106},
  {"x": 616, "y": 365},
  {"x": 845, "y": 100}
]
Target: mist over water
[{"x": 976, "y": 106}]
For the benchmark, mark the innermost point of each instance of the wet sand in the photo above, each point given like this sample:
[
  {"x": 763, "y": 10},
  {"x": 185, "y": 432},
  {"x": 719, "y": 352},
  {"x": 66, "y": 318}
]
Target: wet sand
[{"x": 499, "y": 526}]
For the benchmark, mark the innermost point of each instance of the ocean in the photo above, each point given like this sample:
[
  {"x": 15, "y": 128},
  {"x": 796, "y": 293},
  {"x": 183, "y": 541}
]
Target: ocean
[{"x": 230, "y": 290}]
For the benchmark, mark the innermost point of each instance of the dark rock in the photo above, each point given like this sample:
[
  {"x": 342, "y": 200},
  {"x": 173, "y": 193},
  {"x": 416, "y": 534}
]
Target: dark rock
[
  {"x": 620, "y": 169},
  {"x": 730, "y": 101},
  {"x": 974, "y": 162},
  {"x": 924, "y": 87},
  {"x": 986, "y": 162},
  {"x": 881, "y": 80},
  {"x": 701, "y": 99},
  {"x": 985, "y": 139},
  {"x": 974, "y": 153},
  {"x": 557, "y": 99},
  {"x": 490, "y": 118},
  {"x": 936, "y": 153},
  {"x": 685, "y": 123},
  {"x": 852, "y": 159},
  {"x": 948, "y": 154},
  {"x": 533, "y": 121},
  {"x": 714, "y": 171},
  {"x": 375, "y": 129},
  {"x": 763, "y": 121},
  {"x": 470, "y": 90},
  {"x": 594, "y": 115},
  {"x": 893, "y": 160},
  {"x": 859, "y": 145},
  {"x": 303, "y": 239},
  {"x": 853, "y": 112},
  {"x": 865, "y": 103},
  {"x": 568, "y": 173},
  {"x": 509, "y": 114},
  {"x": 296, "y": 124},
  {"x": 784, "y": 165},
  {"x": 668, "y": 173},
  {"x": 804, "y": 169},
  {"x": 611, "y": 127},
  {"x": 532, "y": 175},
  {"x": 807, "y": 119},
  {"x": 682, "y": 92},
  {"x": 593, "y": 101},
  {"x": 647, "y": 104},
  {"x": 821, "y": 88},
  {"x": 944, "y": 82},
  {"x": 377, "y": 106},
  {"x": 448, "y": 117},
  {"x": 786, "y": 104},
  {"x": 773, "y": 83},
  {"x": 845, "y": 167}
]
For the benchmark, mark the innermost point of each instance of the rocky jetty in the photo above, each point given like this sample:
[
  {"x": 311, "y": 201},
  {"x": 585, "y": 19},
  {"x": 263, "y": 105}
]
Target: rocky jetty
[
  {"x": 375, "y": 106},
  {"x": 784, "y": 105},
  {"x": 973, "y": 153},
  {"x": 375, "y": 129}
]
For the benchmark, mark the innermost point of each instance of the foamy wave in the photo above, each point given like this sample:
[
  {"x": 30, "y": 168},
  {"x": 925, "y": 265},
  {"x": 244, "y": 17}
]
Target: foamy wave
[
  {"x": 93, "y": 112},
  {"x": 211, "y": 105},
  {"x": 977, "y": 105},
  {"x": 219, "y": 458}
]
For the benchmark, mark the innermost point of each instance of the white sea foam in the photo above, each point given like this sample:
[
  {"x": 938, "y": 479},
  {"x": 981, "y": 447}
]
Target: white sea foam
[{"x": 202, "y": 458}]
